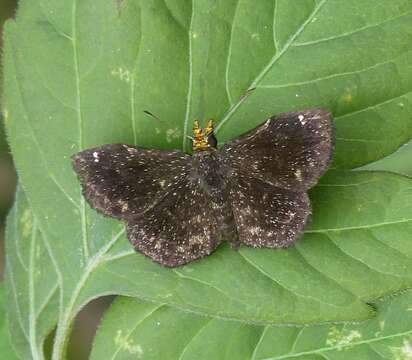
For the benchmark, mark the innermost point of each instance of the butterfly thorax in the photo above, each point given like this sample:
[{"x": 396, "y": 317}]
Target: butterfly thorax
[{"x": 211, "y": 176}]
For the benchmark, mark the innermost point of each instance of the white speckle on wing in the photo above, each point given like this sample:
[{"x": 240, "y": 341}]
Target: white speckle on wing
[
  {"x": 254, "y": 230},
  {"x": 96, "y": 156},
  {"x": 124, "y": 205},
  {"x": 130, "y": 149},
  {"x": 298, "y": 174},
  {"x": 302, "y": 119},
  {"x": 196, "y": 239}
]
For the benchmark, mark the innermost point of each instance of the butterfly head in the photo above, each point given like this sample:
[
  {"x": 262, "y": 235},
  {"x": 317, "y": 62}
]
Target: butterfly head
[{"x": 203, "y": 139}]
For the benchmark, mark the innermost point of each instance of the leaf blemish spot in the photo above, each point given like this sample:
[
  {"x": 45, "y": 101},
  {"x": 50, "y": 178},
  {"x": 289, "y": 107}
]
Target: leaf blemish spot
[
  {"x": 340, "y": 339},
  {"x": 172, "y": 134},
  {"x": 26, "y": 222},
  {"x": 6, "y": 117},
  {"x": 404, "y": 352},
  {"x": 124, "y": 343},
  {"x": 347, "y": 98},
  {"x": 123, "y": 74},
  {"x": 255, "y": 36}
]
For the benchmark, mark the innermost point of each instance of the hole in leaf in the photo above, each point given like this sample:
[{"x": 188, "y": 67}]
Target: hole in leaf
[{"x": 85, "y": 326}]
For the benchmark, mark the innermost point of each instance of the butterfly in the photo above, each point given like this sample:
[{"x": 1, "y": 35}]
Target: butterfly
[{"x": 180, "y": 207}]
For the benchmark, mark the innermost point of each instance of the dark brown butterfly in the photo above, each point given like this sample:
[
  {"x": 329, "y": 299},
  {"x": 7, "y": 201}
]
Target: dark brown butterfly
[{"x": 179, "y": 207}]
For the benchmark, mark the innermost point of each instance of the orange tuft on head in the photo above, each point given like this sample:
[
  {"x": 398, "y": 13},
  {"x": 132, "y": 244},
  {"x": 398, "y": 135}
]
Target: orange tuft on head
[{"x": 201, "y": 136}]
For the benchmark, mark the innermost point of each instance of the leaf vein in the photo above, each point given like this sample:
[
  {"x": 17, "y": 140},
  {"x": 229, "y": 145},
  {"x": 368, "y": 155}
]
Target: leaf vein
[
  {"x": 182, "y": 276},
  {"x": 261, "y": 337},
  {"x": 31, "y": 290},
  {"x": 374, "y": 105},
  {"x": 12, "y": 282},
  {"x": 369, "y": 266},
  {"x": 229, "y": 55},
  {"x": 189, "y": 90},
  {"x": 349, "y": 33},
  {"x": 17, "y": 237},
  {"x": 47, "y": 300},
  {"x": 36, "y": 141},
  {"x": 328, "y": 77},
  {"x": 358, "y": 227},
  {"x": 195, "y": 335},
  {"x": 93, "y": 263},
  {"x": 275, "y": 41},
  {"x": 295, "y": 342},
  {"x": 340, "y": 346},
  {"x": 282, "y": 285}
]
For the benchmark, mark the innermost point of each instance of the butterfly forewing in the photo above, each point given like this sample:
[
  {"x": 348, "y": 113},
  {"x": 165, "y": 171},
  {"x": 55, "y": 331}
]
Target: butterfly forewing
[
  {"x": 162, "y": 196},
  {"x": 290, "y": 150},
  {"x": 121, "y": 181}
]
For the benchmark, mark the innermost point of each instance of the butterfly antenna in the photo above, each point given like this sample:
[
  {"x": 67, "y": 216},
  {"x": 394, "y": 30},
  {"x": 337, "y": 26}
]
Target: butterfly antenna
[
  {"x": 153, "y": 116},
  {"x": 246, "y": 94},
  {"x": 233, "y": 108}
]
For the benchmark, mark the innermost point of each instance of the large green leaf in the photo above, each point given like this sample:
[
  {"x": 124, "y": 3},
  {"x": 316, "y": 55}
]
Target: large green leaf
[
  {"x": 134, "y": 329},
  {"x": 356, "y": 250},
  {"x": 89, "y": 69}
]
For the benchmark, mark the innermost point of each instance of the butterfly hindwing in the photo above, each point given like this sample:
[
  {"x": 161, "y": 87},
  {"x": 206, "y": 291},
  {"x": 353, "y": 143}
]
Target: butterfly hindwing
[
  {"x": 265, "y": 215},
  {"x": 290, "y": 150},
  {"x": 121, "y": 181},
  {"x": 181, "y": 228}
]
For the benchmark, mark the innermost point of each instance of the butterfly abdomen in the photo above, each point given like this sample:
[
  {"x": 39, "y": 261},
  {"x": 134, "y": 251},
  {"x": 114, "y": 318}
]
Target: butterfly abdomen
[{"x": 212, "y": 178}]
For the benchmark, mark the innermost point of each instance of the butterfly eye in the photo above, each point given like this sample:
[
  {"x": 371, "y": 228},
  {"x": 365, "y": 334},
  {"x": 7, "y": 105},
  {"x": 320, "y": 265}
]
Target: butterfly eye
[{"x": 212, "y": 141}]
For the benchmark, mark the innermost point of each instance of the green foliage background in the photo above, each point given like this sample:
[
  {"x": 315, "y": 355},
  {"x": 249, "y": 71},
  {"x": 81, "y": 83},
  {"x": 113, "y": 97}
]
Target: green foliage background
[{"x": 80, "y": 73}]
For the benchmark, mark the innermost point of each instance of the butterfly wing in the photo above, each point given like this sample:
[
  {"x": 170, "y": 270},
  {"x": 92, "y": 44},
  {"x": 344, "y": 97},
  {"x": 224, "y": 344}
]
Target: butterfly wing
[
  {"x": 180, "y": 229},
  {"x": 121, "y": 181},
  {"x": 272, "y": 168},
  {"x": 266, "y": 215},
  {"x": 290, "y": 150},
  {"x": 170, "y": 217}
]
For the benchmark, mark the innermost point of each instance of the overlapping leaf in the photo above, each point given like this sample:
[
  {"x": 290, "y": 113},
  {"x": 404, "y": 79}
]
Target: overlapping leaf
[
  {"x": 356, "y": 252},
  {"x": 88, "y": 70},
  {"x": 134, "y": 329}
]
